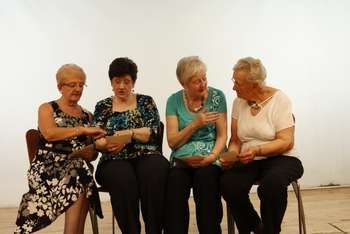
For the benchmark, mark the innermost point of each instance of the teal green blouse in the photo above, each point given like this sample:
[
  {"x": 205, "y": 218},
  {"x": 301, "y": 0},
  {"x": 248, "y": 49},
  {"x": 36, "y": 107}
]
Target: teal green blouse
[{"x": 203, "y": 140}]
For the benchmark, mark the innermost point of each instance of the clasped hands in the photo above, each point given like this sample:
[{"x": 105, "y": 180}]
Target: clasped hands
[
  {"x": 199, "y": 161},
  {"x": 244, "y": 157}
]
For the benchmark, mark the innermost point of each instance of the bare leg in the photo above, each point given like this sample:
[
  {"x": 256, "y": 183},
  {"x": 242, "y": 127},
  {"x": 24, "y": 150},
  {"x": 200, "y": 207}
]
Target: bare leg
[
  {"x": 72, "y": 216},
  {"x": 83, "y": 213}
]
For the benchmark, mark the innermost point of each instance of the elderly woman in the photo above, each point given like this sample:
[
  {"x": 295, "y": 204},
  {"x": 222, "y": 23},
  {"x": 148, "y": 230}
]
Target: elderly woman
[
  {"x": 196, "y": 131},
  {"x": 263, "y": 141},
  {"x": 137, "y": 171},
  {"x": 59, "y": 183}
]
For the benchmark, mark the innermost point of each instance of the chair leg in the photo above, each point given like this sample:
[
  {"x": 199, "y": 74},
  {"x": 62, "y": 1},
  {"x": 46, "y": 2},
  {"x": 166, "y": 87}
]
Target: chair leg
[
  {"x": 93, "y": 218},
  {"x": 301, "y": 214},
  {"x": 230, "y": 221},
  {"x": 113, "y": 222}
]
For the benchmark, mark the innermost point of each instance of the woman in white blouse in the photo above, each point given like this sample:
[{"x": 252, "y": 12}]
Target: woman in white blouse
[{"x": 262, "y": 139}]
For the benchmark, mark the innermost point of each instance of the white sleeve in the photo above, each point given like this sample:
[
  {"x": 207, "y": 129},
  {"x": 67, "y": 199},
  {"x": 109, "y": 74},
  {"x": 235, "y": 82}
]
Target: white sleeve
[
  {"x": 235, "y": 108},
  {"x": 283, "y": 114}
]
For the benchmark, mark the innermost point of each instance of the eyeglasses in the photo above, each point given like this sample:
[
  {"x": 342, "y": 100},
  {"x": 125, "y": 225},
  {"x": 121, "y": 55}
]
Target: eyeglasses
[
  {"x": 198, "y": 80},
  {"x": 235, "y": 82},
  {"x": 74, "y": 85}
]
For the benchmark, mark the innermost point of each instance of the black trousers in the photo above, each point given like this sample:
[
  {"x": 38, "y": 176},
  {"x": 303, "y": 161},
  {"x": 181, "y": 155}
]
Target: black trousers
[
  {"x": 130, "y": 182},
  {"x": 274, "y": 175},
  {"x": 205, "y": 184}
]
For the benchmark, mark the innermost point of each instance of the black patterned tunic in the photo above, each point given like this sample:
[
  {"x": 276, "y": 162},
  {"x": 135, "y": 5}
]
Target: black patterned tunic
[{"x": 55, "y": 180}]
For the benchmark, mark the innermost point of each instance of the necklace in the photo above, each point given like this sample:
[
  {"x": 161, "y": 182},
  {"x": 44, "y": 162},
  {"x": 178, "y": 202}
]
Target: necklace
[
  {"x": 258, "y": 106},
  {"x": 193, "y": 109}
]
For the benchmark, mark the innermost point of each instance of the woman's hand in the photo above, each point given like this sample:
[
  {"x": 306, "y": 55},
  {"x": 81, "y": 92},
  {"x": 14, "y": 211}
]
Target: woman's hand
[
  {"x": 95, "y": 132},
  {"x": 248, "y": 155},
  {"x": 206, "y": 118},
  {"x": 193, "y": 161},
  {"x": 207, "y": 160},
  {"x": 102, "y": 145},
  {"x": 228, "y": 158},
  {"x": 200, "y": 161}
]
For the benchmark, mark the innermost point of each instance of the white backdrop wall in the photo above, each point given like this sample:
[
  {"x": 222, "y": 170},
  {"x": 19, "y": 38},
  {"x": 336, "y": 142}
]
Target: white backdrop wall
[{"x": 303, "y": 44}]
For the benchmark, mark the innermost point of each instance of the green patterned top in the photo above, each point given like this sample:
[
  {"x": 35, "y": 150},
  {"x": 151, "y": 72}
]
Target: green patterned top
[{"x": 203, "y": 140}]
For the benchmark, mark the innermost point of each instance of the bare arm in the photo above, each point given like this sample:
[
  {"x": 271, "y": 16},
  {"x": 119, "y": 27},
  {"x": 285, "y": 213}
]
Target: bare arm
[
  {"x": 140, "y": 134},
  {"x": 221, "y": 138},
  {"x": 51, "y": 132},
  {"x": 283, "y": 142},
  {"x": 234, "y": 145},
  {"x": 175, "y": 137}
]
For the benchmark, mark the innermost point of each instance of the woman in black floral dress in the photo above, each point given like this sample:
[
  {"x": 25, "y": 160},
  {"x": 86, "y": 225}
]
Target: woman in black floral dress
[
  {"x": 136, "y": 172},
  {"x": 58, "y": 183}
]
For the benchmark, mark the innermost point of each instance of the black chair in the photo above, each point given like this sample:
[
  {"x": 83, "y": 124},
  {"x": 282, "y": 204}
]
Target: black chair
[
  {"x": 93, "y": 216},
  {"x": 32, "y": 140}
]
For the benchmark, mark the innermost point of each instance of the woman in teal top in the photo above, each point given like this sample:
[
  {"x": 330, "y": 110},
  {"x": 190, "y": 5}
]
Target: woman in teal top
[
  {"x": 197, "y": 133},
  {"x": 202, "y": 141}
]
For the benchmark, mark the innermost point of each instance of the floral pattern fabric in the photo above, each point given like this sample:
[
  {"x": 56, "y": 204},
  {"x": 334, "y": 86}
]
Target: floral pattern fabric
[
  {"x": 144, "y": 115},
  {"x": 56, "y": 180}
]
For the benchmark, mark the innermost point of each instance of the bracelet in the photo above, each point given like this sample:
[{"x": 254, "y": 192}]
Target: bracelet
[{"x": 132, "y": 133}]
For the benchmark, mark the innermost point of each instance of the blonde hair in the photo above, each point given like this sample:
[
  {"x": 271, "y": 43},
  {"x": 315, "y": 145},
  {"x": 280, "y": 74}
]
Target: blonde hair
[
  {"x": 255, "y": 69},
  {"x": 69, "y": 70},
  {"x": 187, "y": 67}
]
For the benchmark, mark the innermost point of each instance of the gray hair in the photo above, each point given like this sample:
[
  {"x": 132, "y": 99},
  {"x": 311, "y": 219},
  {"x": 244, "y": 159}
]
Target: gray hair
[
  {"x": 188, "y": 67},
  {"x": 254, "y": 67},
  {"x": 69, "y": 70}
]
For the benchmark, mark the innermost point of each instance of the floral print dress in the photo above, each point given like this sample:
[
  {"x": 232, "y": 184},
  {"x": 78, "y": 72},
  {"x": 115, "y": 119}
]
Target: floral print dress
[{"x": 56, "y": 180}]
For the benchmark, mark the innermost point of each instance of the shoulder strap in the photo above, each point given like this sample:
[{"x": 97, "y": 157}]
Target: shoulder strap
[{"x": 54, "y": 105}]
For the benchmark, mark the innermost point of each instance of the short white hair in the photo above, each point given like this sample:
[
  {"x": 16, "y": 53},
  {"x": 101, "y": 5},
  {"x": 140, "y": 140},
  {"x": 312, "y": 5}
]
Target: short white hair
[
  {"x": 188, "y": 67},
  {"x": 254, "y": 67}
]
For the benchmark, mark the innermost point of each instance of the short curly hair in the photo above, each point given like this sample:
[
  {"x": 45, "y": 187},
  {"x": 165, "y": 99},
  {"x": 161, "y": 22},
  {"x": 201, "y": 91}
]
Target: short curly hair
[{"x": 121, "y": 67}]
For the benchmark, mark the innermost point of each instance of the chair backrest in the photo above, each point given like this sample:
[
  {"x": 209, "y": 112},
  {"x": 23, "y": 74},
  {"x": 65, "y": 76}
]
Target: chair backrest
[
  {"x": 32, "y": 139},
  {"x": 160, "y": 137}
]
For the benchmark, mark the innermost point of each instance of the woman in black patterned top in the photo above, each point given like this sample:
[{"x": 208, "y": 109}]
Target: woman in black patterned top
[
  {"x": 137, "y": 171},
  {"x": 59, "y": 183}
]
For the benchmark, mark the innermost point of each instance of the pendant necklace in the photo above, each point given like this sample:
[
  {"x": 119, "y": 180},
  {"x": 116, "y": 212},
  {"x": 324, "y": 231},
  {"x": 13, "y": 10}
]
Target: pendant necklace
[{"x": 258, "y": 106}]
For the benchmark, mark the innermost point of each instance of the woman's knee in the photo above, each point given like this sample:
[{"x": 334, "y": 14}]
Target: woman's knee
[
  {"x": 272, "y": 187},
  {"x": 232, "y": 187},
  {"x": 209, "y": 175}
]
